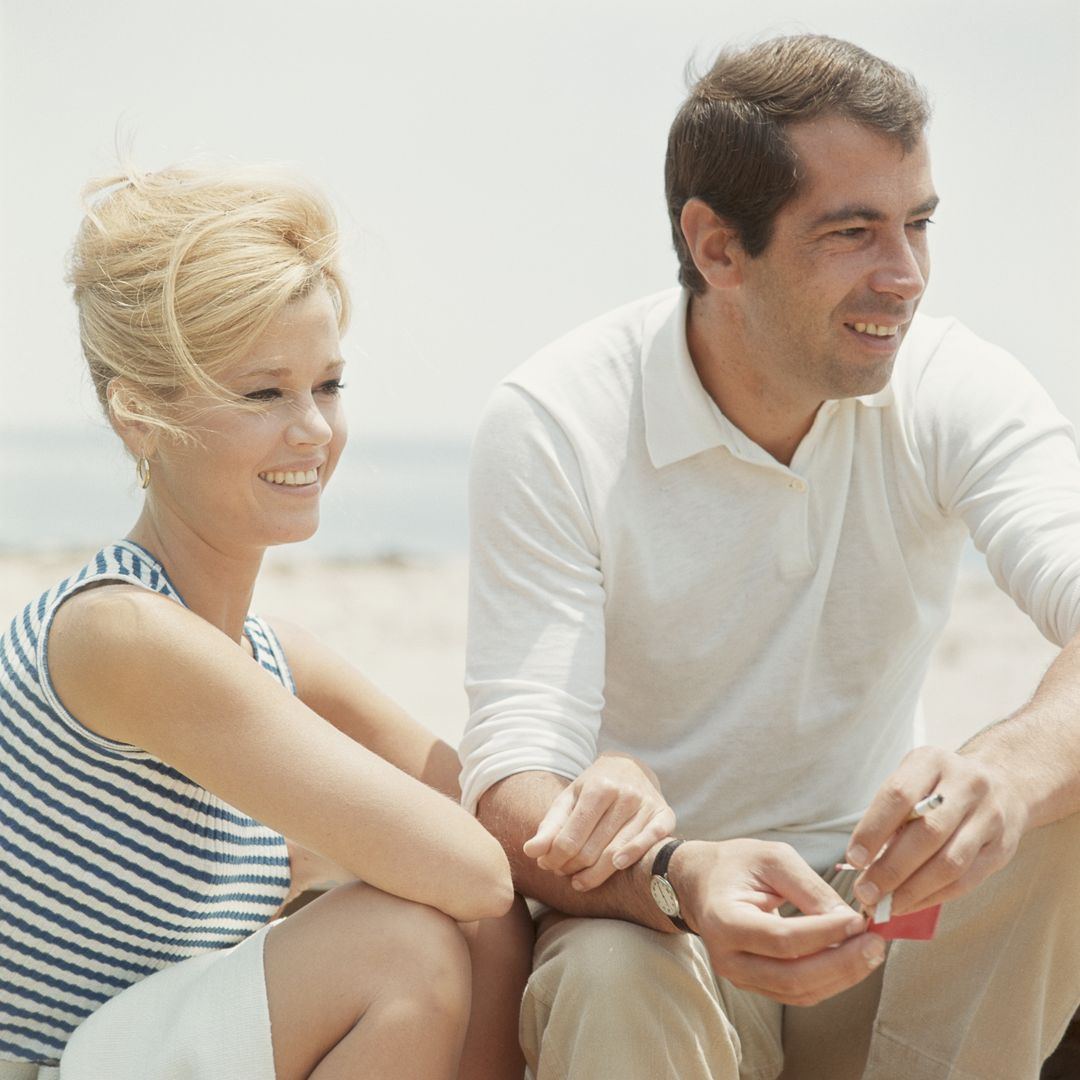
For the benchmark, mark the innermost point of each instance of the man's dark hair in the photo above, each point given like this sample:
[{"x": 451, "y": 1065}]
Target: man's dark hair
[{"x": 729, "y": 144}]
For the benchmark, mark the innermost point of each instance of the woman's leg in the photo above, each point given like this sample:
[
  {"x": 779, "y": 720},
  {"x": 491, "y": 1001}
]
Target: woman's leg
[
  {"x": 363, "y": 984},
  {"x": 501, "y": 954}
]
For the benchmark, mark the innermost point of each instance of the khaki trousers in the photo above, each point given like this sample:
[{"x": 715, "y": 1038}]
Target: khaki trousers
[
  {"x": 16, "y": 1070},
  {"x": 988, "y": 999}
]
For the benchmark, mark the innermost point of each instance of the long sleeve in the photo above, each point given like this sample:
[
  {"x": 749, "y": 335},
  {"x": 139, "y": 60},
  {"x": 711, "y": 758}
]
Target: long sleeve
[
  {"x": 1004, "y": 459},
  {"x": 536, "y": 629}
]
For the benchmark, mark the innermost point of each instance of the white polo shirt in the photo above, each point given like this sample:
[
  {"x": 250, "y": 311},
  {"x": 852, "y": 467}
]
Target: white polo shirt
[{"x": 646, "y": 578}]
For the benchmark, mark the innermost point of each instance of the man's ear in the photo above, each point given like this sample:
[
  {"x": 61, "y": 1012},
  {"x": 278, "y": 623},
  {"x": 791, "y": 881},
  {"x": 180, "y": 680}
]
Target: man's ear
[
  {"x": 713, "y": 243},
  {"x": 125, "y": 416}
]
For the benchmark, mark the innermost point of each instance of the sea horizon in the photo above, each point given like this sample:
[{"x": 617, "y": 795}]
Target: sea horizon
[{"x": 74, "y": 489}]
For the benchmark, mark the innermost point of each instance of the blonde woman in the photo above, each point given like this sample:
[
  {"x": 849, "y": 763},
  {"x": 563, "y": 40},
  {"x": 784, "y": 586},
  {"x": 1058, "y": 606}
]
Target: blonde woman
[{"x": 157, "y": 741}]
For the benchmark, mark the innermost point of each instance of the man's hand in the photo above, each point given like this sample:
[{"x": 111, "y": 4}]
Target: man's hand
[
  {"x": 606, "y": 820},
  {"x": 729, "y": 893},
  {"x": 945, "y": 854}
]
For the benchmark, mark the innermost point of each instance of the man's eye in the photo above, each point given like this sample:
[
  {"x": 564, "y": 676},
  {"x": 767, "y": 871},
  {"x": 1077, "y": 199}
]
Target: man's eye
[
  {"x": 855, "y": 230},
  {"x": 333, "y": 387},
  {"x": 269, "y": 394},
  {"x": 921, "y": 224}
]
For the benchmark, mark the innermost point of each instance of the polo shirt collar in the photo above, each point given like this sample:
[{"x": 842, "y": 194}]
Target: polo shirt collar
[
  {"x": 885, "y": 396},
  {"x": 681, "y": 420}
]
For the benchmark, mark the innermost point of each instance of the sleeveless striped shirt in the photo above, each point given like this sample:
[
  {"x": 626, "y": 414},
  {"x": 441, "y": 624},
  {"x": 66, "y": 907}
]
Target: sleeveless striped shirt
[{"x": 113, "y": 865}]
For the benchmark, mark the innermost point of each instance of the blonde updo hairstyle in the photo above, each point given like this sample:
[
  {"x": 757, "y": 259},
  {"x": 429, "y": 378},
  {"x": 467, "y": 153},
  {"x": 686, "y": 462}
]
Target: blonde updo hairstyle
[{"x": 177, "y": 273}]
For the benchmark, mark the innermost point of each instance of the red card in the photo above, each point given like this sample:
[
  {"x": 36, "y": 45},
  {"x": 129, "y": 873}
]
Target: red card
[{"x": 918, "y": 926}]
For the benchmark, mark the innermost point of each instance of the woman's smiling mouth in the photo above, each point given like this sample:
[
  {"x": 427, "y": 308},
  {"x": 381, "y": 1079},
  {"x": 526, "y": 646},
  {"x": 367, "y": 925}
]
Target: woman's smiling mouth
[{"x": 291, "y": 478}]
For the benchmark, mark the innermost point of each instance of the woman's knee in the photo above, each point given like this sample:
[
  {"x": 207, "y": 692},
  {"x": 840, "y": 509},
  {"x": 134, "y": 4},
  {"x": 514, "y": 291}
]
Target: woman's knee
[
  {"x": 359, "y": 954},
  {"x": 367, "y": 944},
  {"x": 415, "y": 949},
  {"x": 433, "y": 970}
]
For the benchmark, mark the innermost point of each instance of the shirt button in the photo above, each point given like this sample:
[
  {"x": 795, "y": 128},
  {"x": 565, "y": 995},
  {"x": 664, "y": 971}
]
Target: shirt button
[{"x": 797, "y": 485}]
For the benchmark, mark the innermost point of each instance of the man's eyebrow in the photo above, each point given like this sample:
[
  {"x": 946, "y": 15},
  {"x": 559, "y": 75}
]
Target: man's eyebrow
[{"x": 858, "y": 212}]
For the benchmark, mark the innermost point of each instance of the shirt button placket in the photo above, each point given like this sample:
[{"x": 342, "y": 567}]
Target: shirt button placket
[{"x": 794, "y": 545}]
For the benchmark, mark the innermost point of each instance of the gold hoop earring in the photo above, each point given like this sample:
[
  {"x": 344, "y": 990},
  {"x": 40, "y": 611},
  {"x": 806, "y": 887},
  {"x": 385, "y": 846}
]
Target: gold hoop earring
[{"x": 142, "y": 471}]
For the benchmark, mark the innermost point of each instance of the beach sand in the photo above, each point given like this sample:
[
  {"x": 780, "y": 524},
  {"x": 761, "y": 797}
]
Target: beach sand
[{"x": 403, "y": 624}]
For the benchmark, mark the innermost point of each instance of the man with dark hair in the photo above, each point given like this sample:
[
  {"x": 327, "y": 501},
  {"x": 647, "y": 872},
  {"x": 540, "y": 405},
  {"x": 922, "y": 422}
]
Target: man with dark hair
[
  {"x": 718, "y": 529},
  {"x": 729, "y": 144}
]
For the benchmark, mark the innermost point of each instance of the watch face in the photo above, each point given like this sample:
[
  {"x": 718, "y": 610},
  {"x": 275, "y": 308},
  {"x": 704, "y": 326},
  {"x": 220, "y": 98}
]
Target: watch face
[{"x": 664, "y": 895}]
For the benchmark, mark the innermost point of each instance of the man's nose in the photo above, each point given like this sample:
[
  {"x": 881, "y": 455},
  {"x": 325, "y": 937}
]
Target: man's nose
[{"x": 903, "y": 270}]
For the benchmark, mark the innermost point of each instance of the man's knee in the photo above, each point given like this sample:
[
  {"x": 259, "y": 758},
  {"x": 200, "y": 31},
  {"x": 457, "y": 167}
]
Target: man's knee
[
  {"x": 640, "y": 999},
  {"x": 586, "y": 957}
]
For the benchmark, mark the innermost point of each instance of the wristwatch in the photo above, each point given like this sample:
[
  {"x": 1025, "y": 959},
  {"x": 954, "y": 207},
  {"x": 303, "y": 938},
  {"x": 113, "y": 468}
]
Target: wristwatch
[{"x": 663, "y": 892}]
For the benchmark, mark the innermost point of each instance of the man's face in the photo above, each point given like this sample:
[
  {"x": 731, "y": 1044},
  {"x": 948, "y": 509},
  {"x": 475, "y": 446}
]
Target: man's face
[{"x": 825, "y": 306}]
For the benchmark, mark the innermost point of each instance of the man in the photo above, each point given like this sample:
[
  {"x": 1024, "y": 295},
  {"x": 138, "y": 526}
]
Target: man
[{"x": 718, "y": 529}]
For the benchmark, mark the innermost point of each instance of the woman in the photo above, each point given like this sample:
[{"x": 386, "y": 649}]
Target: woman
[{"x": 151, "y": 768}]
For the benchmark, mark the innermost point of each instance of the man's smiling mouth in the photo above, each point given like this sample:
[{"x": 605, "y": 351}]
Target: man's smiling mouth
[{"x": 874, "y": 329}]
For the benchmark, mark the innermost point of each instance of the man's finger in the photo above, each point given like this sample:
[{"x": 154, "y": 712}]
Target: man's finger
[
  {"x": 809, "y": 979},
  {"x": 766, "y": 934},
  {"x": 918, "y": 775},
  {"x": 585, "y": 820},
  {"x": 629, "y": 850},
  {"x": 598, "y": 843},
  {"x": 629, "y": 845},
  {"x": 951, "y": 874},
  {"x": 943, "y": 847},
  {"x": 789, "y": 878},
  {"x": 539, "y": 844}
]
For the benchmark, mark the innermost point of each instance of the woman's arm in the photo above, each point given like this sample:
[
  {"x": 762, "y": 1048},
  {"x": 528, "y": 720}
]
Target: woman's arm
[
  {"x": 605, "y": 820},
  {"x": 328, "y": 684},
  {"x": 138, "y": 668}
]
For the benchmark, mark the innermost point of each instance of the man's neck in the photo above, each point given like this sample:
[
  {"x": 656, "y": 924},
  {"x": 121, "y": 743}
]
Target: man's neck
[{"x": 773, "y": 419}]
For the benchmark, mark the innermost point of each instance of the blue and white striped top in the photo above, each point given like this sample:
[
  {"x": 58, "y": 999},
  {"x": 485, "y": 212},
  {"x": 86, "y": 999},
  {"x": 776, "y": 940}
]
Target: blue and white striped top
[{"x": 112, "y": 864}]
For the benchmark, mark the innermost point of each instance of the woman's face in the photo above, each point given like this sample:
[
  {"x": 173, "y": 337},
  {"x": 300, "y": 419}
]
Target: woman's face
[{"x": 256, "y": 475}]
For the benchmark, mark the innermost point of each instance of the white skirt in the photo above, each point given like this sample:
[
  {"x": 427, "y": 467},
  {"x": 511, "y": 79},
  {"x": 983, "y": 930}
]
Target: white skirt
[{"x": 201, "y": 1019}]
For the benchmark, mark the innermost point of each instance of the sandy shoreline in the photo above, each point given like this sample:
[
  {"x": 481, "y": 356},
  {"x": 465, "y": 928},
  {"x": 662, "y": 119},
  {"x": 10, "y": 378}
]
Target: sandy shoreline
[{"x": 403, "y": 624}]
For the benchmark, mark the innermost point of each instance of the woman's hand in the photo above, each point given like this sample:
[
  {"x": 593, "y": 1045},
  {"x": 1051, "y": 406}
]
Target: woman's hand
[{"x": 606, "y": 820}]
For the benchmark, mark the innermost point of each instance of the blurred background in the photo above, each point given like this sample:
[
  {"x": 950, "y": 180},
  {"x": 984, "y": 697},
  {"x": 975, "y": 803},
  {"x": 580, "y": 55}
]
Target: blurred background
[{"x": 497, "y": 166}]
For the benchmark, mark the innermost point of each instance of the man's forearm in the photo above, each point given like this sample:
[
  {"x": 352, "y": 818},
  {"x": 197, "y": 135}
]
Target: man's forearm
[
  {"x": 1039, "y": 745},
  {"x": 512, "y": 810}
]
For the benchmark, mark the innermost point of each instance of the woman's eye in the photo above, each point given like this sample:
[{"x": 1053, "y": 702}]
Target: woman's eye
[{"x": 331, "y": 388}]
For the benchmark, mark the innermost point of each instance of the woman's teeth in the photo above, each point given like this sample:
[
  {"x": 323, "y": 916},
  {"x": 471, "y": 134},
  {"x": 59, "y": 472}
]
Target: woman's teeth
[{"x": 290, "y": 479}]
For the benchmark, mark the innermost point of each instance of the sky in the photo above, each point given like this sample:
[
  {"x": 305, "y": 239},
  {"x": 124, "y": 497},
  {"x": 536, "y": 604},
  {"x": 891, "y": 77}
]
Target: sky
[{"x": 497, "y": 165}]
